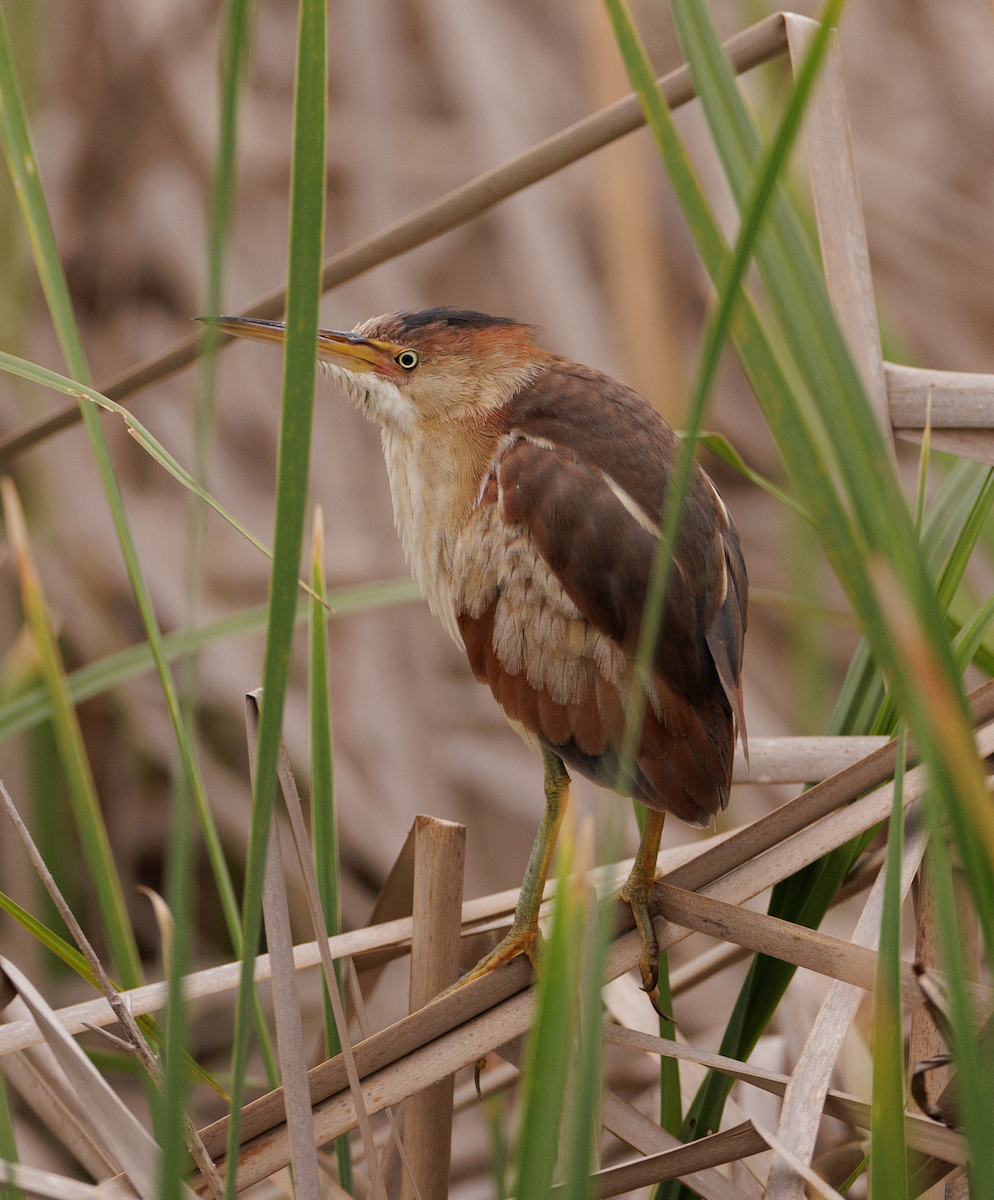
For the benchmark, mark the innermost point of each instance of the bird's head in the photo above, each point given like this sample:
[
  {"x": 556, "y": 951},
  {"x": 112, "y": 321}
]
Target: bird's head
[{"x": 414, "y": 370}]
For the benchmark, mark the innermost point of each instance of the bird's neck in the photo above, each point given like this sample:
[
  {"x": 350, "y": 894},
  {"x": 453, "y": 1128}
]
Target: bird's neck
[{"x": 435, "y": 480}]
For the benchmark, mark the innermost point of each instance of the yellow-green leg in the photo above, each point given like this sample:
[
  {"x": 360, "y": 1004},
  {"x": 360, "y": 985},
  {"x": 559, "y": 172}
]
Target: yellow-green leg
[
  {"x": 636, "y": 893},
  {"x": 524, "y": 936}
]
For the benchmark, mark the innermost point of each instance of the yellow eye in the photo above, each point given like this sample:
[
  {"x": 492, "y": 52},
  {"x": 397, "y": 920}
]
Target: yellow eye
[{"x": 408, "y": 359}]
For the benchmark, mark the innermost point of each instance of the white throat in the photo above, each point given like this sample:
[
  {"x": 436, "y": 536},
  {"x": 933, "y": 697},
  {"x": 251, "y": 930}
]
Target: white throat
[
  {"x": 423, "y": 485},
  {"x": 427, "y": 501}
]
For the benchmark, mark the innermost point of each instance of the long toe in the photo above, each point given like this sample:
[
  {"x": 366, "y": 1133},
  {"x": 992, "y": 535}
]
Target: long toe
[
  {"x": 526, "y": 940},
  {"x": 636, "y": 894}
]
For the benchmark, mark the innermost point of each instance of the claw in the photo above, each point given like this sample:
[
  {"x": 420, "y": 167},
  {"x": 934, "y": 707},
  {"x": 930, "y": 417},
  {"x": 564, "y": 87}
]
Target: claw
[
  {"x": 636, "y": 893},
  {"x": 663, "y": 1016},
  {"x": 649, "y": 970}
]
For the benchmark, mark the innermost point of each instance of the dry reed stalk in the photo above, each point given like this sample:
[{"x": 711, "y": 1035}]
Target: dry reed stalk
[
  {"x": 923, "y": 1134},
  {"x": 136, "y": 1043},
  {"x": 648, "y": 1137},
  {"x": 847, "y": 962},
  {"x": 439, "y": 861},
  {"x": 714, "y": 1151},
  {"x": 110, "y": 1123},
  {"x": 805, "y": 1094},
  {"x": 34, "y": 1075},
  {"x": 37, "y": 1182},
  {"x": 289, "y": 1031},
  {"x": 637, "y": 286},
  {"x": 925, "y": 1040},
  {"x": 405, "y": 1061},
  {"x": 845, "y": 255},
  {"x": 374, "y": 944},
  {"x": 800, "y": 759},
  {"x": 962, "y": 412}
]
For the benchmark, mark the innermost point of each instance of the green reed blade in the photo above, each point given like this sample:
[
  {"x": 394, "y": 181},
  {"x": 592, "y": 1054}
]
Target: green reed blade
[
  {"x": 797, "y": 294},
  {"x": 22, "y": 163},
  {"x": 8, "y": 1144},
  {"x": 974, "y": 1074},
  {"x": 722, "y": 448},
  {"x": 888, "y": 1161},
  {"x": 32, "y": 707},
  {"x": 548, "y": 1047},
  {"x": 670, "y": 1099},
  {"x": 307, "y": 206},
  {"x": 72, "y": 752},
  {"x": 728, "y": 280},
  {"x": 50, "y": 940}
]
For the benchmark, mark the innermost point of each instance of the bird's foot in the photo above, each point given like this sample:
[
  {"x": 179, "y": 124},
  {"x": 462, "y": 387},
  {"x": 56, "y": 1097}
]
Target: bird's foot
[
  {"x": 523, "y": 939},
  {"x": 636, "y": 894}
]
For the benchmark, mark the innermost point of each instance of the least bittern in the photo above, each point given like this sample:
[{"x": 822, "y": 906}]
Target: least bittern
[{"x": 527, "y": 491}]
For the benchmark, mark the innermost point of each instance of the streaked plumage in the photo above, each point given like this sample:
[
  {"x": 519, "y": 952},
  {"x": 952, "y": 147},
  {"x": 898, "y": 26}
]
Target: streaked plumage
[
  {"x": 527, "y": 492},
  {"x": 546, "y": 579}
]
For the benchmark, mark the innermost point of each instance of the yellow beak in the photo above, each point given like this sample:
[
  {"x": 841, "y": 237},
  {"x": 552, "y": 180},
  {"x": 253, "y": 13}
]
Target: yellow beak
[{"x": 347, "y": 350}]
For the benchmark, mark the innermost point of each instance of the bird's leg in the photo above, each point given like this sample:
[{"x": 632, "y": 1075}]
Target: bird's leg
[
  {"x": 636, "y": 893},
  {"x": 524, "y": 936}
]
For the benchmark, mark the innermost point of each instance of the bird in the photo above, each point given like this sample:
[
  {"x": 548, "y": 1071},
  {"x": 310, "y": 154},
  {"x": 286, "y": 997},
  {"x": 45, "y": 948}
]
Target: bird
[{"x": 527, "y": 491}]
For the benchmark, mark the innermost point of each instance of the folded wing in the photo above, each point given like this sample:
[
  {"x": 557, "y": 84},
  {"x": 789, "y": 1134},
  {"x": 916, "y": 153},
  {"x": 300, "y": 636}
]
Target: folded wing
[{"x": 550, "y": 579}]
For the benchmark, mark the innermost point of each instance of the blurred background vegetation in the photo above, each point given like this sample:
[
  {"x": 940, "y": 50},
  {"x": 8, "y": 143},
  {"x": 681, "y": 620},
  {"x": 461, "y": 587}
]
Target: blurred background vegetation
[{"x": 123, "y": 102}]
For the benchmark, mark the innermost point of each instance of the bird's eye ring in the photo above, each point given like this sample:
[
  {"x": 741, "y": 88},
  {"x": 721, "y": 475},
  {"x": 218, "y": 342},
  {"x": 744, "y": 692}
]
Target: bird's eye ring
[{"x": 408, "y": 359}]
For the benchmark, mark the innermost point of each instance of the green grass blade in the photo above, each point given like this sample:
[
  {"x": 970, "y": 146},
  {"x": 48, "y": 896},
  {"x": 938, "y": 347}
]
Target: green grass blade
[
  {"x": 152, "y": 446},
  {"x": 495, "y": 1109},
  {"x": 324, "y": 821},
  {"x": 949, "y": 510},
  {"x": 773, "y": 379},
  {"x": 968, "y": 641},
  {"x": 72, "y": 752},
  {"x": 32, "y": 707},
  {"x": 806, "y": 454},
  {"x": 234, "y": 60},
  {"x": 974, "y": 1075},
  {"x": 307, "y": 206},
  {"x": 585, "y": 1124},
  {"x": 69, "y": 955},
  {"x": 22, "y": 163},
  {"x": 797, "y": 294},
  {"x": 966, "y": 542},
  {"x": 8, "y": 1144},
  {"x": 547, "y": 1050},
  {"x": 728, "y": 283},
  {"x": 924, "y": 459},
  {"x": 234, "y": 57},
  {"x": 722, "y": 448},
  {"x": 888, "y": 1154},
  {"x": 50, "y": 940}
]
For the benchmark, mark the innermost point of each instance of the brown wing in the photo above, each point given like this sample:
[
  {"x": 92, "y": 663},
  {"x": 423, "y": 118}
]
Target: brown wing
[{"x": 550, "y": 582}]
